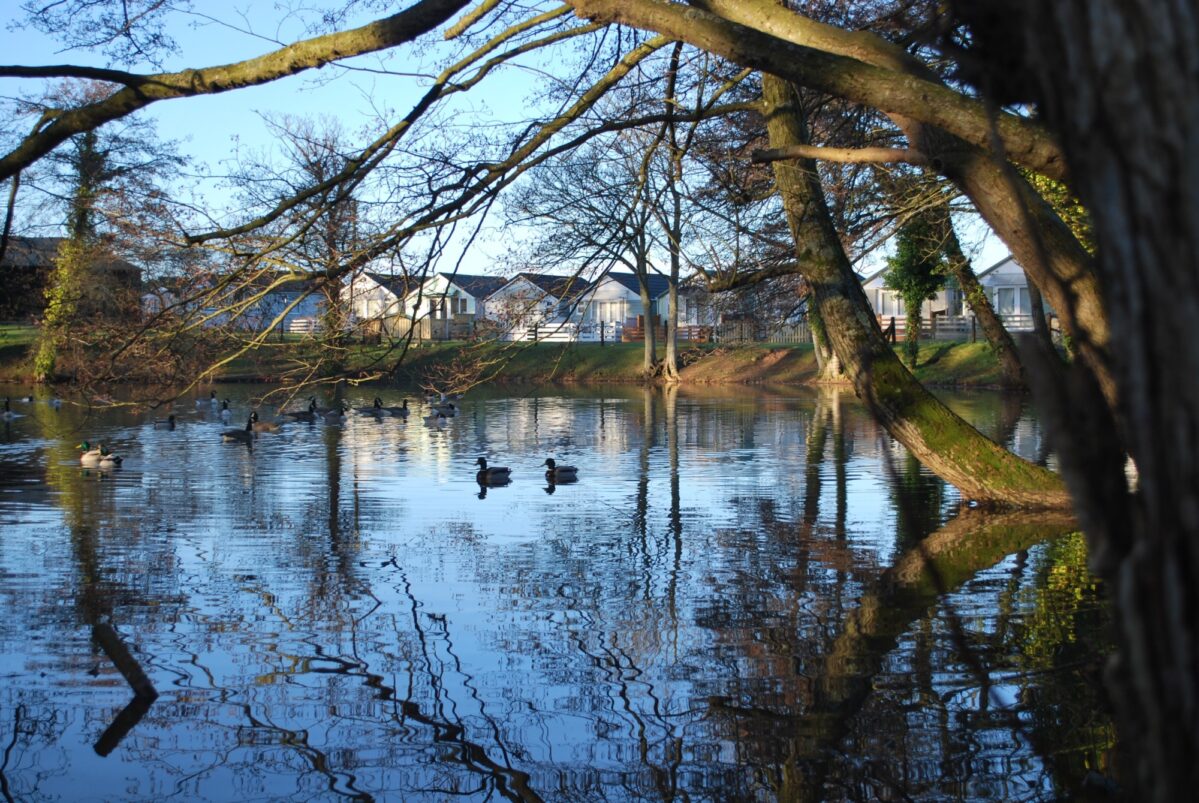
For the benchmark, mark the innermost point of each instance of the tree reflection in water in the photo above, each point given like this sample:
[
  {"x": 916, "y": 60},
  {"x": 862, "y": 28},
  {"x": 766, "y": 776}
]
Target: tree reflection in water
[{"x": 743, "y": 597}]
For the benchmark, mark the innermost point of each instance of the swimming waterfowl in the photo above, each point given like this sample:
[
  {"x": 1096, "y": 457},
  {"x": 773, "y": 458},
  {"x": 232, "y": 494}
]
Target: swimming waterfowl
[
  {"x": 493, "y": 475},
  {"x": 335, "y": 415},
  {"x": 108, "y": 459},
  {"x": 303, "y": 415},
  {"x": 211, "y": 400},
  {"x": 165, "y": 423},
  {"x": 437, "y": 419},
  {"x": 90, "y": 456},
  {"x": 225, "y": 412},
  {"x": 56, "y": 403},
  {"x": 557, "y": 473},
  {"x": 8, "y": 414},
  {"x": 263, "y": 426},
  {"x": 377, "y": 409},
  {"x": 240, "y": 435},
  {"x": 448, "y": 409},
  {"x": 26, "y": 399},
  {"x": 399, "y": 412}
]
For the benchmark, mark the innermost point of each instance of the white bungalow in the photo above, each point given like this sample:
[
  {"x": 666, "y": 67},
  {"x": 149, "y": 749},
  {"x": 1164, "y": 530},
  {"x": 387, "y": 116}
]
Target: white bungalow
[
  {"x": 1006, "y": 285},
  {"x": 616, "y": 298},
  {"x": 534, "y": 300},
  {"x": 887, "y": 304},
  {"x": 375, "y": 299}
]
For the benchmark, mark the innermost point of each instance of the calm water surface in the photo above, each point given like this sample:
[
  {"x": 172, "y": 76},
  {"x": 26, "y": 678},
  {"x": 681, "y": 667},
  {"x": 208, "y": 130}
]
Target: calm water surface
[{"x": 732, "y": 603}]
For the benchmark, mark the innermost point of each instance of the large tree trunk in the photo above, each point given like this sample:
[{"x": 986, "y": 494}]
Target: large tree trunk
[
  {"x": 1119, "y": 81},
  {"x": 941, "y": 440}
]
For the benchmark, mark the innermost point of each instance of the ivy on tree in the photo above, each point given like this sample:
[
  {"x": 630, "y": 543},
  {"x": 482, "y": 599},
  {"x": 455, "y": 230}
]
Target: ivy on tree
[{"x": 915, "y": 273}]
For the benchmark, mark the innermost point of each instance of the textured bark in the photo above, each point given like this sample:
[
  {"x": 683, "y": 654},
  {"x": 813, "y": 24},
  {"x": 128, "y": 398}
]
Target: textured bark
[
  {"x": 1119, "y": 81},
  {"x": 941, "y": 440}
]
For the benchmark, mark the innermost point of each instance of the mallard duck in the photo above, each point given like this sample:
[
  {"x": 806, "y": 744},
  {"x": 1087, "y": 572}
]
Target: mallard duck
[
  {"x": 108, "y": 459},
  {"x": 303, "y": 415},
  {"x": 399, "y": 412},
  {"x": 165, "y": 423},
  {"x": 263, "y": 426},
  {"x": 240, "y": 435},
  {"x": 557, "y": 473},
  {"x": 8, "y": 414},
  {"x": 90, "y": 456},
  {"x": 376, "y": 409},
  {"x": 496, "y": 475}
]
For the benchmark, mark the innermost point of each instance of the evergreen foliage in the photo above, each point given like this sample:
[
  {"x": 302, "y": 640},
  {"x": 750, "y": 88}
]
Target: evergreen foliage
[{"x": 915, "y": 274}]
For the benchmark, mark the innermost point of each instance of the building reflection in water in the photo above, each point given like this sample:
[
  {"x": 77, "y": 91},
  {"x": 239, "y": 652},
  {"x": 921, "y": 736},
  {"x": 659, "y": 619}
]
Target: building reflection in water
[{"x": 748, "y": 595}]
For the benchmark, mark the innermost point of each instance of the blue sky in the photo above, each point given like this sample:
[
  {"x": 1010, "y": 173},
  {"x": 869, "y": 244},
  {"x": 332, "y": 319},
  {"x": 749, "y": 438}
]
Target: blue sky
[{"x": 209, "y": 127}]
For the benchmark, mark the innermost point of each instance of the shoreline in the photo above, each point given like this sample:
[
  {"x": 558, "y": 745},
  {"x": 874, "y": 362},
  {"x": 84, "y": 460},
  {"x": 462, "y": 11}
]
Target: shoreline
[{"x": 942, "y": 364}]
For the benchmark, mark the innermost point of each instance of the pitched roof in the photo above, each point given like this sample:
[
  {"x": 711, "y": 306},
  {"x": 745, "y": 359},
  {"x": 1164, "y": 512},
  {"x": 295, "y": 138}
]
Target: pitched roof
[
  {"x": 658, "y": 284},
  {"x": 398, "y": 286},
  {"x": 31, "y": 252},
  {"x": 1004, "y": 261},
  {"x": 477, "y": 286},
  {"x": 557, "y": 286}
]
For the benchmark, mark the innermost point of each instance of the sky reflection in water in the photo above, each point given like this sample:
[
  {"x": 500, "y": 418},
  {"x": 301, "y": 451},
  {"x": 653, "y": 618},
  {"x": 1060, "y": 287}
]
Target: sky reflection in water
[{"x": 342, "y": 611}]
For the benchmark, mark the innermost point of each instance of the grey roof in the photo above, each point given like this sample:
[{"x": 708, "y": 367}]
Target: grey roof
[
  {"x": 31, "y": 252},
  {"x": 550, "y": 284},
  {"x": 477, "y": 286},
  {"x": 399, "y": 286},
  {"x": 658, "y": 284}
]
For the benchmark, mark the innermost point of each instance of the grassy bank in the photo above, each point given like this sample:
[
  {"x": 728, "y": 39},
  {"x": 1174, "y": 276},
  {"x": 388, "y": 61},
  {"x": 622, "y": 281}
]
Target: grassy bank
[{"x": 946, "y": 364}]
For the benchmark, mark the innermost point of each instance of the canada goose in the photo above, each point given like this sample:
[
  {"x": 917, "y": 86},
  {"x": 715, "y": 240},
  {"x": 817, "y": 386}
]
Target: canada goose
[
  {"x": 108, "y": 459},
  {"x": 437, "y": 419},
  {"x": 56, "y": 403},
  {"x": 263, "y": 426},
  {"x": 8, "y": 414},
  {"x": 557, "y": 473},
  {"x": 308, "y": 415},
  {"x": 377, "y": 409},
  {"x": 399, "y": 412},
  {"x": 335, "y": 415},
  {"x": 90, "y": 456},
  {"x": 448, "y": 409},
  {"x": 165, "y": 423},
  {"x": 26, "y": 399},
  {"x": 211, "y": 400},
  {"x": 496, "y": 475},
  {"x": 240, "y": 435},
  {"x": 225, "y": 411}
]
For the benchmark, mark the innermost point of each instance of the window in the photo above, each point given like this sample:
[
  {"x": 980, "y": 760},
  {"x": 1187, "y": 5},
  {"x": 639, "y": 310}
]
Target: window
[{"x": 1005, "y": 300}]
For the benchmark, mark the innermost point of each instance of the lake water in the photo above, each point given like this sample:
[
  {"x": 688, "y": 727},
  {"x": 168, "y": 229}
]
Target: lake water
[{"x": 732, "y": 603}]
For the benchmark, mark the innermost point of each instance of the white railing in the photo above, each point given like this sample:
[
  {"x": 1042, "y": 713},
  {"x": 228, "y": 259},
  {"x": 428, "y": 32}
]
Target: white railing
[{"x": 303, "y": 326}]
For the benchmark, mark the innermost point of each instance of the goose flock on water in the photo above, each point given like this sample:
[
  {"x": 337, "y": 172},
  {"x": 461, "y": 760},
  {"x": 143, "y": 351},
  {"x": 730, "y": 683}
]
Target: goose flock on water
[{"x": 441, "y": 410}]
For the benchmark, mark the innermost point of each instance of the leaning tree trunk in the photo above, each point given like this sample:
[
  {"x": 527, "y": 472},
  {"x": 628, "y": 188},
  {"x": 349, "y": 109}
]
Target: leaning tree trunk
[
  {"x": 828, "y": 367},
  {"x": 649, "y": 362},
  {"x": 1119, "y": 81},
  {"x": 996, "y": 334},
  {"x": 941, "y": 440},
  {"x": 1036, "y": 308}
]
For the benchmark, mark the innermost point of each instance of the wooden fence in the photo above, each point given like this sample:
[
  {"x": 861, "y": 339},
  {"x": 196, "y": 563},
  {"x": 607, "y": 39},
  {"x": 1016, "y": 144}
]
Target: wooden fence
[{"x": 733, "y": 332}]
